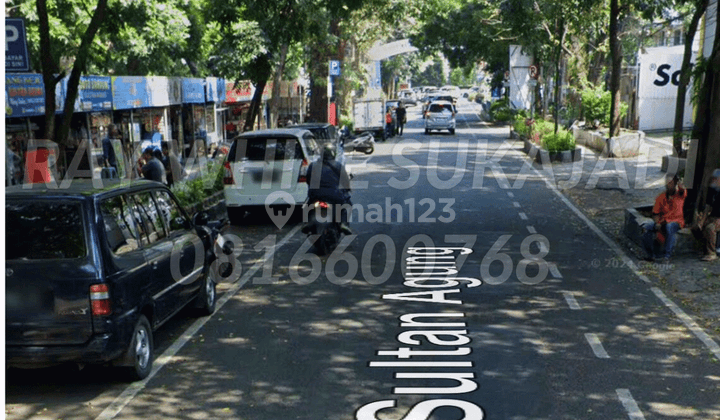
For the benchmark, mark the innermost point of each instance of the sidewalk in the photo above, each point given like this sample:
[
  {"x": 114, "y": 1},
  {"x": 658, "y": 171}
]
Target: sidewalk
[{"x": 603, "y": 188}]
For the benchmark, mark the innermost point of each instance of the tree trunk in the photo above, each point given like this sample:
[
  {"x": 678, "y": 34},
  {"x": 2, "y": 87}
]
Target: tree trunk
[
  {"x": 707, "y": 128},
  {"x": 49, "y": 69},
  {"x": 254, "y": 110},
  {"x": 685, "y": 77},
  {"x": 616, "y": 68},
  {"x": 318, "y": 96},
  {"x": 275, "y": 100},
  {"x": 558, "y": 74}
]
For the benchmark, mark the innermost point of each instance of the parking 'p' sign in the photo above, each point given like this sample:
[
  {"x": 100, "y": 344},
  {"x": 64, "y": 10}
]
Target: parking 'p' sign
[
  {"x": 16, "y": 53},
  {"x": 334, "y": 68}
]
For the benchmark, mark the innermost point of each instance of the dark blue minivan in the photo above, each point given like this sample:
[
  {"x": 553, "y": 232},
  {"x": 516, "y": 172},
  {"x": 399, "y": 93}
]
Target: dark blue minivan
[{"x": 93, "y": 270}]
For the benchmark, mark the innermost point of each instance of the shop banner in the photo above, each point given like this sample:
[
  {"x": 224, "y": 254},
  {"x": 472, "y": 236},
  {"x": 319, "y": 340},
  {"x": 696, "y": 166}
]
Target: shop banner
[
  {"x": 24, "y": 95},
  {"x": 94, "y": 94},
  {"x": 164, "y": 91},
  {"x": 130, "y": 92},
  {"x": 244, "y": 91},
  {"x": 193, "y": 91},
  {"x": 215, "y": 89}
]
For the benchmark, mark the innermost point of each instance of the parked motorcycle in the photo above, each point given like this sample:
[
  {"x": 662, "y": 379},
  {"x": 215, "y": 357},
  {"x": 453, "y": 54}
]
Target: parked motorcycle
[
  {"x": 322, "y": 221},
  {"x": 364, "y": 142}
]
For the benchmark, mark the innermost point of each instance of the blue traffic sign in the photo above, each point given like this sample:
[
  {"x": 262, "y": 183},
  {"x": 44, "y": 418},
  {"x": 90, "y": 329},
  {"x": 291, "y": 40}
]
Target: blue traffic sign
[
  {"x": 334, "y": 68},
  {"x": 16, "y": 52}
]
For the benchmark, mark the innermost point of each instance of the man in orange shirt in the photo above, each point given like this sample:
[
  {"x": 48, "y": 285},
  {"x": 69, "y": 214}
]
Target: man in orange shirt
[{"x": 668, "y": 219}]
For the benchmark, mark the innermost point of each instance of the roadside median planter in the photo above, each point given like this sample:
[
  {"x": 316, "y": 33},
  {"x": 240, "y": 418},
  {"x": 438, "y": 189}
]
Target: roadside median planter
[
  {"x": 204, "y": 192},
  {"x": 626, "y": 144},
  {"x": 544, "y": 145}
]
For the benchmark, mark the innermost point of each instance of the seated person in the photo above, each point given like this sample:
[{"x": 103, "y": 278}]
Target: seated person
[
  {"x": 708, "y": 221},
  {"x": 152, "y": 168},
  {"x": 668, "y": 219},
  {"x": 330, "y": 183}
]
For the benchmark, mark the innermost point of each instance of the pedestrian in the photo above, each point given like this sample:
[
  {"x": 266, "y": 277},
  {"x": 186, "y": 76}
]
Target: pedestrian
[
  {"x": 389, "y": 128},
  {"x": 174, "y": 170},
  {"x": 152, "y": 169},
  {"x": 109, "y": 157},
  {"x": 708, "y": 221},
  {"x": 401, "y": 113},
  {"x": 667, "y": 220}
]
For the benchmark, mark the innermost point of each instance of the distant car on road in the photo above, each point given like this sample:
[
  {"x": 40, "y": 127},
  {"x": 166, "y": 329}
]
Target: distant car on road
[
  {"x": 408, "y": 97},
  {"x": 93, "y": 271},
  {"x": 440, "y": 116}
]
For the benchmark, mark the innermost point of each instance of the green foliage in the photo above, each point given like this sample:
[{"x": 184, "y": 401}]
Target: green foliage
[
  {"x": 543, "y": 128},
  {"x": 596, "y": 106},
  {"x": 558, "y": 142},
  {"x": 501, "y": 111},
  {"x": 190, "y": 192},
  {"x": 521, "y": 126},
  {"x": 431, "y": 76},
  {"x": 347, "y": 121}
]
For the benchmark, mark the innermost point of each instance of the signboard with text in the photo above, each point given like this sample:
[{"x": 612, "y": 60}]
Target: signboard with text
[
  {"x": 94, "y": 94},
  {"x": 24, "y": 95},
  {"x": 16, "y": 52},
  {"x": 130, "y": 92}
]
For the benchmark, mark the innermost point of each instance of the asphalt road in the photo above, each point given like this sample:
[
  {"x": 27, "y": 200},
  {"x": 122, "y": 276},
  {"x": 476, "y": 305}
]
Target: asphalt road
[{"x": 562, "y": 326}]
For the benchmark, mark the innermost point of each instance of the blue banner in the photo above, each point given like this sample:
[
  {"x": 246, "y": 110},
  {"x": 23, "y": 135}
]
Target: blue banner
[
  {"x": 94, "y": 94},
  {"x": 16, "y": 52},
  {"x": 24, "y": 95},
  {"x": 130, "y": 92},
  {"x": 193, "y": 91}
]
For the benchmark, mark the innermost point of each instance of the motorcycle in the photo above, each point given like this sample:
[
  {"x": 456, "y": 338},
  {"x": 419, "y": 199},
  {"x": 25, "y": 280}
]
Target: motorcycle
[
  {"x": 322, "y": 221},
  {"x": 211, "y": 232},
  {"x": 364, "y": 142}
]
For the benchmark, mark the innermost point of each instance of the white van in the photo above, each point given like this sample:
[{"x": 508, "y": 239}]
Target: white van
[{"x": 264, "y": 162}]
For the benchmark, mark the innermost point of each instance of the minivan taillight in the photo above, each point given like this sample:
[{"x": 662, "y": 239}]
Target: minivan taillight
[
  {"x": 100, "y": 299},
  {"x": 303, "y": 171},
  {"x": 228, "y": 178}
]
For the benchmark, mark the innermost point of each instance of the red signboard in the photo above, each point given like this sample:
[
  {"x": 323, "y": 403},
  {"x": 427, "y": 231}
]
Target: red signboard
[{"x": 244, "y": 91}]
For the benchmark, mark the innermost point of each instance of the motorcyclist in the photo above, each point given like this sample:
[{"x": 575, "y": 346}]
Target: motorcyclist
[{"x": 328, "y": 181}]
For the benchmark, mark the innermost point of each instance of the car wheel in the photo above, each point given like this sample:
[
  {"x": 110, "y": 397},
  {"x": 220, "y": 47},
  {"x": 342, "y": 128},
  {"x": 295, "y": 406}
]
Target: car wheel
[
  {"x": 427, "y": 131},
  {"x": 207, "y": 296},
  {"x": 140, "y": 351},
  {"x": 369, "y": 150},
  {"x": 452, "y": 131},
  {"x": 235, "y": 215}
]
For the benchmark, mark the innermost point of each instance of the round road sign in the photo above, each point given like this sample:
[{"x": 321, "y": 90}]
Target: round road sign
[{"x": 534, "y": 72}]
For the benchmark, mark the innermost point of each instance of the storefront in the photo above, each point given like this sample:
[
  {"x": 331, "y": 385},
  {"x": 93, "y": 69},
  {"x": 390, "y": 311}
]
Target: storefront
[
  {"x": 237, "y": 104},
  {"x": 24, "y": 122},
  {"x": 214, "y": 110},
  {"x": 92, "y": 116},
  {"x": 195, "y": 128}
]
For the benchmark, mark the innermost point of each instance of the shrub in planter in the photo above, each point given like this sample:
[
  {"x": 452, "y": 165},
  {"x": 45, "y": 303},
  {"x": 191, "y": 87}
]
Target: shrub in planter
[
  {"x": 500, "y": 110},
  {"x": 191, "y": 192},
  {"x": 558, "y": 142},
  {"x": 543, "y": 128},
  {"x": 596, "y": 106}
]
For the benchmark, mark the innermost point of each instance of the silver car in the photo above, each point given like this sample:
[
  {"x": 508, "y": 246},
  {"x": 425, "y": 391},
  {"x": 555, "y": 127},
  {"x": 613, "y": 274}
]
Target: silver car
[{"x": 440, "y": 116}]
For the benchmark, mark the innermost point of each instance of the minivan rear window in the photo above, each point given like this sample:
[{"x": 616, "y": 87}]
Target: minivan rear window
[
  {"x": 264, "y": 148},
  {"x": 439, "y": 108},
  {"x": 44, "y": 230}
]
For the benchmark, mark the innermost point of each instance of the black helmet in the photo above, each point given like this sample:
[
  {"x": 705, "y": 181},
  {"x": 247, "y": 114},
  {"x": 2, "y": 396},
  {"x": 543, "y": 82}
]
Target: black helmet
[{"x": 329, "y": 151}]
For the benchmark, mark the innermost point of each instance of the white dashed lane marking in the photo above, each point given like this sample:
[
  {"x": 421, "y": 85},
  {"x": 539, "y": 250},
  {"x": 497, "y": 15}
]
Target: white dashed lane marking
[
  {"x": 532, "y": 230},
  {"x": 571, "y": 301},
  {"x": 516, "y": 204},
  {"x": 630, "y": 405},
  {"x": 596, "y": 346},
  {"x": 523, "y": 216}
]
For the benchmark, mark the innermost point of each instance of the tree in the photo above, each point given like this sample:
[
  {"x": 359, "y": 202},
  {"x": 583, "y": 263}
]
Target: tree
[
  {"x": 707, "y": 124},
  {"x": 685, "y": 73},
  {"x": 51, "y": 67}
]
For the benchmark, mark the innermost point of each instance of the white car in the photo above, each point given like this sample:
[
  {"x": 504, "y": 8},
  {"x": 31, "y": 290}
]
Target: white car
[
  {"x": 440, "y": 116},
  {"x": 268, "y": 168}
]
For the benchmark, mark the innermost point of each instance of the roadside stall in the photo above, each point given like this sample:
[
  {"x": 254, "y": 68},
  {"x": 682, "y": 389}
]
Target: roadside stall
[
  {"x": 214, "y": 115},
  {"x": 195, "y": 119},
  {"x": 237, "y": 101},
  {"x": 92, "y": 115},
  {"x": 129, "y": 95},
  {"x": 24, "y": 121}
]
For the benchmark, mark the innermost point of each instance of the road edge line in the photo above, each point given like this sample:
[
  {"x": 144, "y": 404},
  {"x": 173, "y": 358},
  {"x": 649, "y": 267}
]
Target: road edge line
[{"x": 699, "y": 332}]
